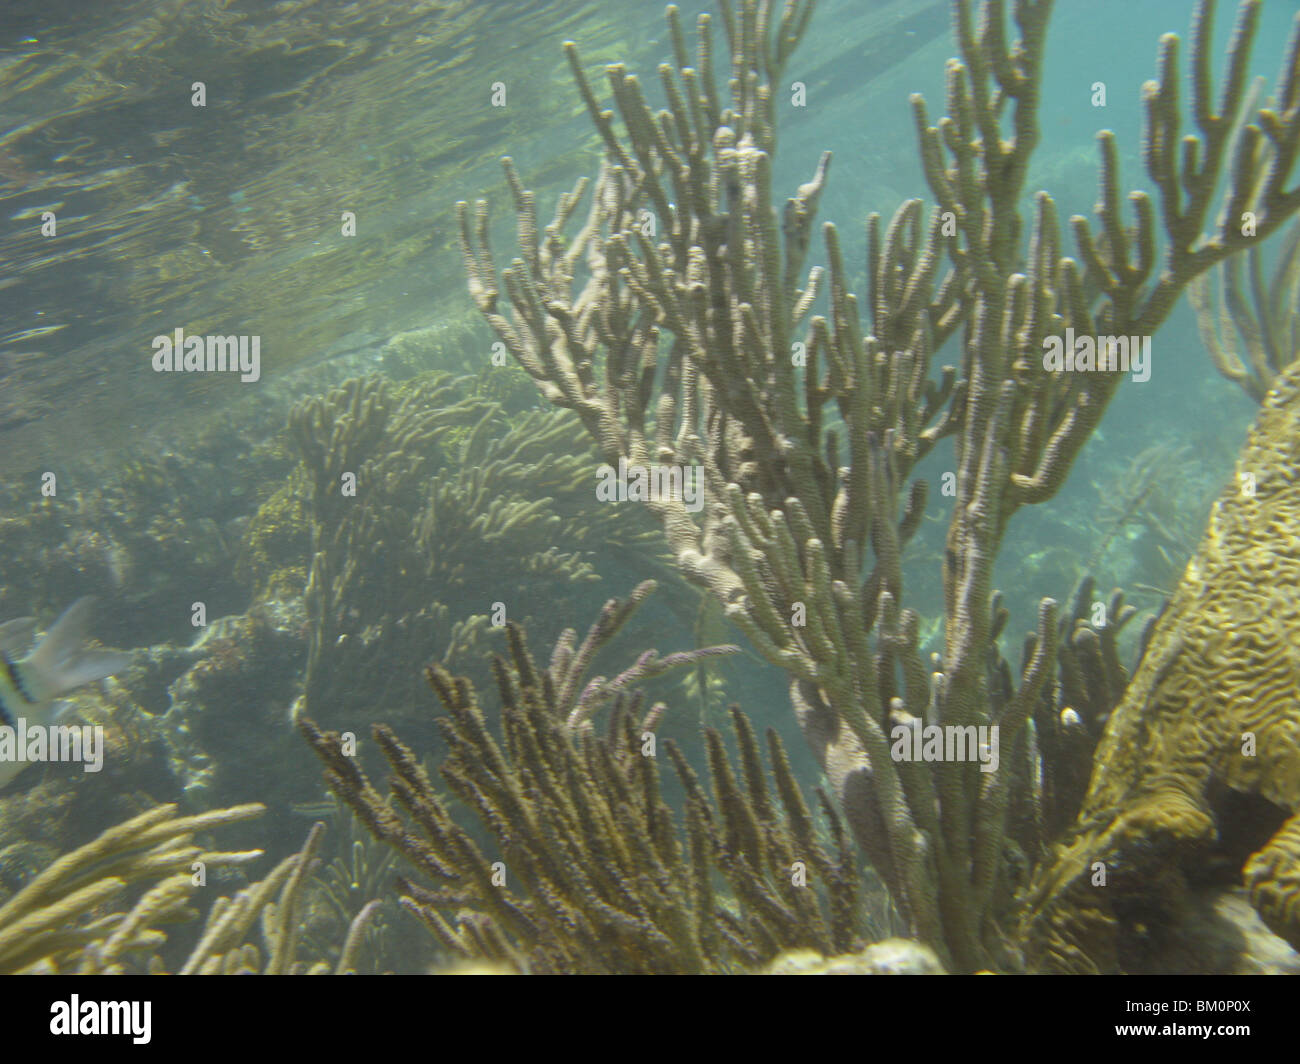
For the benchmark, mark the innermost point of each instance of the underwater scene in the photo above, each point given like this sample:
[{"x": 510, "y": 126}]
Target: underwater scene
[{"x": 561, "y": 487}]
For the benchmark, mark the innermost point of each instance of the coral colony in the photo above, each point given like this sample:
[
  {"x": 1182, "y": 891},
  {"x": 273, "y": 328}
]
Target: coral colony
[
  {"x": 807, "y": 427},
  {"x": 768, "y": 424}
]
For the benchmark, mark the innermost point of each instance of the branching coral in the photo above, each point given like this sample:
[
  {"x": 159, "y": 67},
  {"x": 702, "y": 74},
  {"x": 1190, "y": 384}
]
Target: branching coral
[
  {"x": 452, "y": 508},
  {"x": 70, "y": 917},
  {"x": 1266, "y": 325},
  {"x": 583, "y": 868},
  {"x": 807, "y": 427},
  {"x": 354, "y": 878},
  {"x": 275, "y": 905},
  {"x": 1158, "y": 499},
  {"x": 1264, "y": 321},
  {"x": 58, "y": 923},
  {"x": 1070, "y": 716}
]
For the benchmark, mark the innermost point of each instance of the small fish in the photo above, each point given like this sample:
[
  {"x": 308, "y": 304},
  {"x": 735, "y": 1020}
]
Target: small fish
[{"x": 30, "y": 686}]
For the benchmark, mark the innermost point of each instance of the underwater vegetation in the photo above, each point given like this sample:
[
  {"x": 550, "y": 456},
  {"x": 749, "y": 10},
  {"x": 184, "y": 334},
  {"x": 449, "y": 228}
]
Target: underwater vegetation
[
  {"x": 355, "y": 877},
  {"x": 1157, "y": 519},
  {"x": 585, "y": 867},
  {"x": 132, "y": 535},
  {"x": 107, "y": 907},
  {"x": 675, "y": 348},
  {"x": 443, "y": 472},
  {"x": 451, "y": 497}
]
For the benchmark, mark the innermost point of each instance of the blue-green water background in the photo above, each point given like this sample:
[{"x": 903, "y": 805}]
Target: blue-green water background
[{"x": 228, "y": 216}]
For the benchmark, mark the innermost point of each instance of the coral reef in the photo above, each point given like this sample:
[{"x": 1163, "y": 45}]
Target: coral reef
[
  {"x": 274, "y": 904},
  {"x": 689, "y": 340},
  {"x": 451, "y": 499},
  {"x": 668, "y": 312},
  {"x": 1155, "y": 506},
  {"x": 1197, "y": 776},
  {"x": 57, "y": 922},
  {"x": 1267, "y": 325},
  {"x": 277, "y": 543},
  {"x": 131, "y": 534},
  {"x": 148, "y": 527},
  {"x": 237, "y": 683},
  {"x": 73, "y": 917},
  {"x": 355, "y": 877},
  {"x": 1070, "y": 718},
  {"x": 579, "y": 865}
]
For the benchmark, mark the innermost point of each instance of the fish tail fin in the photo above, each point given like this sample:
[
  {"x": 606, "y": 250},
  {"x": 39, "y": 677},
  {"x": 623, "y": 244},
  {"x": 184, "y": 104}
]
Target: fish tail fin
[
  {"x": 16, "y": 637},
  {"x": 61, "y": 661}
]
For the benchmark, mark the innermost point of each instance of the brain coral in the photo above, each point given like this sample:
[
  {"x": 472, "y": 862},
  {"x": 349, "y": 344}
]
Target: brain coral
[{"x": 1197, "y": 778}]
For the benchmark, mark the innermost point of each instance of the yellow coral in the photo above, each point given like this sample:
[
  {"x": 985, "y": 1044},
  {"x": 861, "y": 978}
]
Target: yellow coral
[{"x": 1200, "y": 760}]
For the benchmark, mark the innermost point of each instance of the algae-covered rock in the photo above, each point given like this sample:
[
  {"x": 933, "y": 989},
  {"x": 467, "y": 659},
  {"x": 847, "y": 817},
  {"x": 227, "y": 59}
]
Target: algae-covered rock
[{"x": 277, "y": 543}]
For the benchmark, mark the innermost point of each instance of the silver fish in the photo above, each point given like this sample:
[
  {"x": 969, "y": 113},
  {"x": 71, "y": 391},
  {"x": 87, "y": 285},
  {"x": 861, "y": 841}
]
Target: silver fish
[{"x": 30, "y": 686}]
